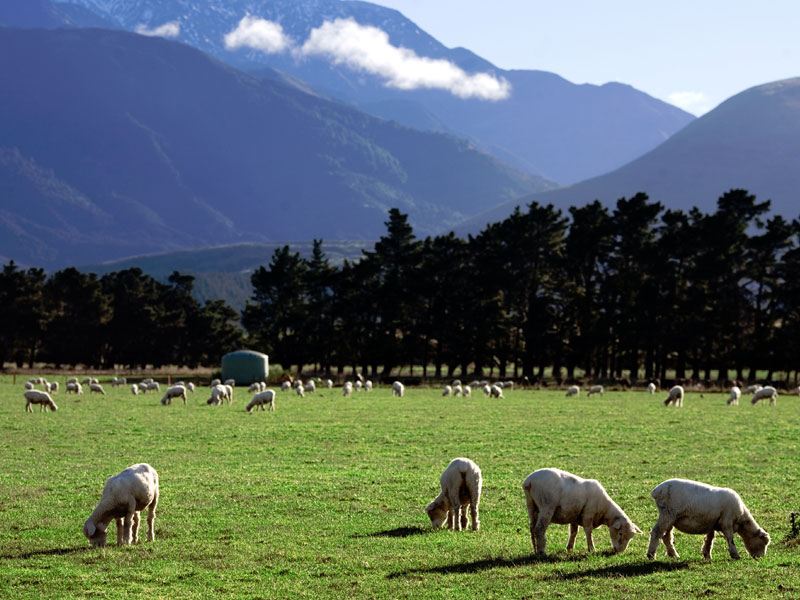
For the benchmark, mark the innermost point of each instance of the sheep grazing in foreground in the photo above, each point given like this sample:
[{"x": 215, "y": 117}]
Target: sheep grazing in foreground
[
  {"x": 555, "y": 496},
  {"x": 573, "y": 390},
  {"x": 699, "y": 508},
  {"x": 398, "y": 389},
  {"x": 675, "y": 396},
  {"x": 176, "y": 391},
  {"x": 595, "y": 389},
  {"x": 124, "y": 497},
  {"x": 736, "y": 393},
  {"x": 347, "y": 388},
  {"x": 41, "y": 398},
  {"x": 262, "y": 398},
  {"x": 461, "y": 488},
  {"x": 74, "y": 387},
  {"x": 651, "y": 387},
  {"x": 764, "y": 393},
  {"x": 96, "y": 388},
  {"x": 447, "y": 391}
]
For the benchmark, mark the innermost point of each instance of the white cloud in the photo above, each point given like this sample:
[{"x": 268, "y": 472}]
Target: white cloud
[
  {"x": 167, "y": 30},
  {"x": 368, "y": 49},
  {"x": 694, "y": 102},
  {"x": 259, "y": 34}
]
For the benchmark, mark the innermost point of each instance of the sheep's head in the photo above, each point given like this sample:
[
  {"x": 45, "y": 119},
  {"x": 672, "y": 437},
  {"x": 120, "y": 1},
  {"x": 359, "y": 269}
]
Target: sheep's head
[
  {"x": 437, "y": 512},
  {"x": 622, "y": 531},
  {"x": 95, "y": 533},
  {"x": 53, "y": 405},
  {"x": 756, "y": 542}
]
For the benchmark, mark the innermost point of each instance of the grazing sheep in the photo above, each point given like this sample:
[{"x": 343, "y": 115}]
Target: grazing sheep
[
  {"x": 764, "y": 393},
  {"x": 458, "y": 390},
  {"x": 651, "y": 387},
  {"x": 118, "y": 381},
  {"x": 215, "y": 382},
  {"x": 555, "y": 496},
  {"x": 134, "y": 389},
  {"x": 595, "y": 389},
  {"x": 358, "y": 385},
  {"x": 368, "y": 385},
  {"x": 347, "y": 388},
  {"x": 398, "y": 389},
  {"x": 124, "y": 497},
  {"x": 286, "y": 386},
  {"x": 254, "y": 387},
  {"x": 176, "y": 391},
  {"x": 52, "y": 387},
  {"x": 228, "y": 392},
  {"x": 41, "y": 398},
  {"x": 736, "y": 393},
  {"x": 447, "y": 391},
  {"x": 461, "y": 487},
  {"x": 699, "y": 508},
  {"x": 218, "y": 394},
  {"x": 495, "y": 391},
  {"x": 456, "y": 382},
  {"x": 28, "y": 385},
  {"x": 300, "y": 391},
  {"x": 467, "y": 391},
  {"x": 329, "y": 383},
  {"x": 72, "y": 380},
  {"x": 310, "y": 386},
  {"x": 487, "y": 390},
  {"x": 74, "y": 387},
  {"x": 86, "y": 381},
  {"x": 752, "y": 389},
  {"x": 230, "y": 382},
  {"x": 96, "y": 388},
  {"x": 675, "y": 396},
  {"x": 190, "y": 387},
  {"x": 262, "y": 398},
  {"x": 573, "y": 390}
]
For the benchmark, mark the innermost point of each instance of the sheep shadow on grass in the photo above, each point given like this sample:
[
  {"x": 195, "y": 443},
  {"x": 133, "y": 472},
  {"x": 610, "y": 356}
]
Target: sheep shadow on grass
[
  {"x": 485, "y": 564},
  {"x": 636, "y": 569},
  {"x": 51, "y": 552},
  {"x": 397, "y": 532}
]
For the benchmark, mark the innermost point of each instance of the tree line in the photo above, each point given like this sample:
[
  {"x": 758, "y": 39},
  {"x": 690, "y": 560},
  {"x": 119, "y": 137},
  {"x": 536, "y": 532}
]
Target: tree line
[{"x": 634, "y": 290}]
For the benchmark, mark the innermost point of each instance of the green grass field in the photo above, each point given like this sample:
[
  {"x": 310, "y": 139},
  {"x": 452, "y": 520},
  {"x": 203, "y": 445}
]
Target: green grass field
[{"x": 325, "y": 497}]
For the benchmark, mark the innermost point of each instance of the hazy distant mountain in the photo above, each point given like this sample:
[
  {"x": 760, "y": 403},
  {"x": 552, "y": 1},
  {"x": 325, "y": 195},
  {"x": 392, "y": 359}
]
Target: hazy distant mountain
[
  {"x": 548, "y": 126},
  {"x": 751, "y": 141},
  {"x": 114, "y": 144},
  {"x": 43, "y": 13}
]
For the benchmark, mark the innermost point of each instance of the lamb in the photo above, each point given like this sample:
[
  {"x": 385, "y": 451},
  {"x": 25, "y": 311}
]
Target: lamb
[
  {"x": 300, "y": 391},
  {"x": 368, "y": 385},
  {"x": 254, "y": 387},
  {"x": 736, "y": 393},
  {"x": 286, "y": 386},
  {"x": 573, "y": 390},
  {"x": 310, "y": 386},
  {"x": 447, "y": 391},
  {"x": 28, "y": 385},
  {"x": 118, "y": 381},
  {"x": 124, "y": 497},
  {"x": 398, "y": 389},
  {"x": 675, "y": 396},
  {"x": 41, "y": 398},
  {"x": 218, "y": 394},
  {"x": 358, "y": 384},
  {"x": 651, "y": 387},
  {"x": 262, "y": 398},
  {"x": 699, "y": 508},
  {"x": 458, "y": 390},
  {"x": 134, "y": 389},
  {"x": 96, "y": 388},
  {"x": 495, "y": 391},
  {"x": 190, "y": 387},
  {"x": 764, "y": 393},
  {"x": 555, "y": 496},
  {"x": 752, "y": 389},
  {"x": 214, "y": 383},
  {"x": 74, "y": 387},
  {"x": 176, "y": 391},
  {"x": 347, "y": 389},
  {"x": 52, "y": 387},
  {"x": 595, "y": 389},
  {"x": 329, "y": 383},
  {"x": 461, "y": 487},
  {"x": 487, "y": 390},
  {"x": 467, "y": 391}
]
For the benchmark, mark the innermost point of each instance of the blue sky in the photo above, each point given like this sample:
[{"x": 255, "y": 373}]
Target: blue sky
[{"x": 693, "y": 53}]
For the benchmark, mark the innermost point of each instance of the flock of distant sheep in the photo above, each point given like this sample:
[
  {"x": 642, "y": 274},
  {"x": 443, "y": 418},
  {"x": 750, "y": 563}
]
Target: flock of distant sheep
[{"x": 551, "y": 495}]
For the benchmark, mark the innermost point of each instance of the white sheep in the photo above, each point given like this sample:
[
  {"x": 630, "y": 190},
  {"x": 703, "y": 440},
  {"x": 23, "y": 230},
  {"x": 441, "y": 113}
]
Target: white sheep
[
  {"x": 86, "y": 381},
  {"x": 286, "y": 386},
  {"x": 329, "y": 383},
  {"x": 218, "y": 394},
  {"x": 764, "y": 393},
  {"x": 96, "y": 388},
  {"x": 124, "y": 497},
  {"x": 358, "y": 384},
  {"x": 555, "y": 496},
  {"x": 347, "y": 388},
  {"x": 447, "y": 391},
  {"x": 573, "y": 390},
  {"x": 595, "y": 389},
  {"x": 651, "y": 387},
  {"x": 495, "y": 391},
  {"x": 300, "y": 391},
  {"x": 487, "y": 390},
  {"x": 254, "y": 387},
  {"x": 699, "y": 508},
  {"x": 467, "y": 391},
  {"x": 176, "y": 391},
  {"x": 215, "y": 382},
  {"x": 736, "y": 393},
  {"x": 29, "y": 385},
  {"x": 398, "y": 389},
  {"x": 752, "y": 389},
  {"x": 190, "y": 387},
  {"x": 72, "y": 380},
  {"x": 228, "y": 392},
  {"x": 134, "y": 389},
  {"x": 74, "y": 387},
  {"x": 456, "y": 382},
  {"x": 118, "y": 381},
  {"x": 41, "y": 398},
  {"x": 310, "y": 386},
  {"x": 230, "y": 382},
  {"x": 368, "y": 385},
  {"x": 52, "y": 387},
  {"x": 262, "y": 398},
  {"x": 461, "y": 488},
  {"x": 675, "y": 396},
  {"x": 458, "y": 390}
]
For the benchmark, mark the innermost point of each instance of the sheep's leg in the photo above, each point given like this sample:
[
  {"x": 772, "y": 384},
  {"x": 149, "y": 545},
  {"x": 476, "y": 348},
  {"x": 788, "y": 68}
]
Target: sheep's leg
[
  {"x": 463, "y": 512},
  {"x": 727, "y": 531},
  {"x": 708, "y": 544},
  {"x": 533, "y": 516},
  {"x": 119, "y": 531},
  {"x": 655, "y": 536},
  {"x": 542, "y": 523},
  {"x": 28, "y": 407},
  {"x": 573, "y": 533},
  {"x": 473, "y": 513},
  {"x": 589, "y": 541},
  {"x": 135, "y": 527},
  {"x": 126, "y": 533},
  {"x": 151, "y": 517},
  {"x": 669, "y": 543},
  {"x": 450, "y": 518}
]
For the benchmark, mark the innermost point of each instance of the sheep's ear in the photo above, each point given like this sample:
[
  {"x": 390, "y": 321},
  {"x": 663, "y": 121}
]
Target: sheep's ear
[{"x": 636, "y": 529}]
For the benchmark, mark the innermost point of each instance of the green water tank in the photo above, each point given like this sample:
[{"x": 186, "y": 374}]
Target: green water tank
[{"x": 245, "y": 366}]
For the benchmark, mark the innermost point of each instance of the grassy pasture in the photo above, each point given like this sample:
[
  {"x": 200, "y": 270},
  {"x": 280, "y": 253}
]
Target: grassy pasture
[{"x": 324, "y": 497}]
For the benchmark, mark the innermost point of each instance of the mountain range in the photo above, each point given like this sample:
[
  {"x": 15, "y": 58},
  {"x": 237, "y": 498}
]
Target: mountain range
[
  {"x": 547, "y": 126},
  {"x": 751, "y": 141},
  {"x": 114, "y": 144}
]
